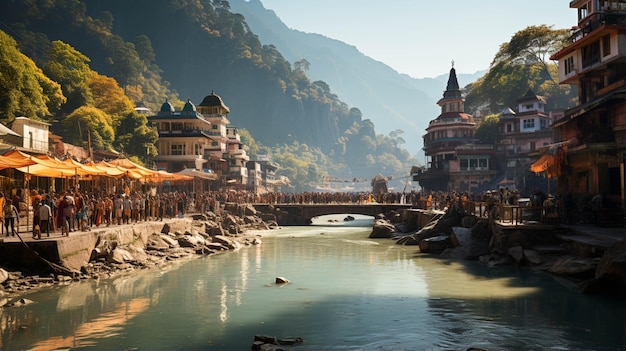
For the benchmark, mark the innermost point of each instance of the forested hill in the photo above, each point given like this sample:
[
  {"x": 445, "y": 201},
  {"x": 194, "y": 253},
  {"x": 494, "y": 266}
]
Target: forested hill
[
  {"x": 196, "y": 46},
  {"x": 390, "y": 99}
]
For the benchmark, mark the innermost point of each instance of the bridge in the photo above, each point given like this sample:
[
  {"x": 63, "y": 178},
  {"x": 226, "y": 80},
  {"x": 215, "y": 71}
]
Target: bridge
[{"x": 301, "y": 214}]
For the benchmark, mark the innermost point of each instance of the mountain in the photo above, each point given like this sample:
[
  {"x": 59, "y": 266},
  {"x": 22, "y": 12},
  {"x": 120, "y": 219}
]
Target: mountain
[{"x": 390, "y": 99}]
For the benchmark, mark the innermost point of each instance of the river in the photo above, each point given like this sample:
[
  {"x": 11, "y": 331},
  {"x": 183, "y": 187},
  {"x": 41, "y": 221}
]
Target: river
[{"x": 347, "y": 292}]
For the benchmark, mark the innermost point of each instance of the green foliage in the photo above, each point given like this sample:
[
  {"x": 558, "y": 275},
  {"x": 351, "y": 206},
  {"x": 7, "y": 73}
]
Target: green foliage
[
  {"x": 109, "y": 97},
  {"x": 70, "y": 68},
  {"x": 24, "y": 89},
  {"x": 88, "y": 121},
  {"x": 522, "y": 64},
  {"x": 487, "y": 129},
  {"x": 250, "y": 145},
  {"x": 135, "y": 137}
]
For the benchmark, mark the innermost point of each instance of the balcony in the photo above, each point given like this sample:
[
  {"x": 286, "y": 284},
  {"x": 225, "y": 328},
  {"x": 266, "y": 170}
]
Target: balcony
[{"x": 598, "y": 20}]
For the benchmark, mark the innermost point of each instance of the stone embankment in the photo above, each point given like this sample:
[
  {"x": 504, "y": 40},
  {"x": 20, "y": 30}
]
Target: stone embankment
[
  {"x": 589, "y": 264},
  {"x": 120, "y": 250}
]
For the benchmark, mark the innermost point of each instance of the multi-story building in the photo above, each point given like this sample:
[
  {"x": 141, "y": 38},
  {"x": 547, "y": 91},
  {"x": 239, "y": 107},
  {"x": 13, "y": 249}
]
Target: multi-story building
[
  {"x": 236, "y": 158},
  {"x": 183, "y": 136},
  {"x": 520, "y": 134},
  {"x": 455, "y": 159},
  {"x": 593, "y": 134},
  {"x": 200, "y": 136}
]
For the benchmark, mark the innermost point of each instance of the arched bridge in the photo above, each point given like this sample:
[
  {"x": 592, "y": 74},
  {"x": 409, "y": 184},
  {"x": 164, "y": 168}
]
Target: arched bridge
[{"x": 301, "y": 214}]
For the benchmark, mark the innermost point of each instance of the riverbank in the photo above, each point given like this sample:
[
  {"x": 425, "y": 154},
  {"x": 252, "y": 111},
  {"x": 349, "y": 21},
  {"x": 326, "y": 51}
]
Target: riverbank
[
  {"x": 108, "y": 251},
  {"x": 589, "y": 258}
]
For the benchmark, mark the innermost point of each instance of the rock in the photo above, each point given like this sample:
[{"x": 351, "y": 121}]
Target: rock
[
  {"x": 227, "y": 242},
  {"x": 517, "y": 253},
  {"x": 172, "y": 242},
  {"x": 4, "y": 275},
  {"x": 19, "y": 303},
  {"x": 249, "y": 210},
  {"x": 479, "y": 240},
  {"x": 290, "y": 341},
  {"x": 156, "y": 242},
  {"x": 382, "y": 229},
  {"x": 120, "y": 256},
  {"x": 574, "y": 266},
  {"x": 610, "y": 274},
  {"x": 533, "y": 257},
  {"x": 411, "y": 239},
  {"x": 436, "y": 244},
  {"x": 281, "y": 280},
  {"x": 468, "y": 221},
  {"x": 461, "y": 236},
  {"x": 166, "y": 228}
]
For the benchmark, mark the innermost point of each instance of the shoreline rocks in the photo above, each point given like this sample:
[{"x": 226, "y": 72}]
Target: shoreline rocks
[
  {"x": 455, "y": 235},
  {"x": 205, "y": 234}
]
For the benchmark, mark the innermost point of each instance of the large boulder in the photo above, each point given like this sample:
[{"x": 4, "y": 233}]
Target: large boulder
[
  {"x": 226, "y": 242},
  {"x": 436, "y": 244},
  {"x": 574, "y": 267},
  {"x": 120, "y": 256},
  {"x": 155, "y": 242},
  {"x": 382, "y": 229},
  {"x": 4, "y": 275},
  {"x": 610, "y": 274}
]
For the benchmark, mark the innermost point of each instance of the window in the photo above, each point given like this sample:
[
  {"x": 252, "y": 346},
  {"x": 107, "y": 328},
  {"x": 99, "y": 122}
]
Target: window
[
  {"x": 214, "y": 126},
  {"x": 591, "y": 54},
  {"x": 606, "y": 45},
  {"x": 214, "y": 143},
  {"x": 482, "y": 163},
  {"x": 177, "y": 126},
  {"x": 529, "y": 123},
  {"x": 177, "y": 149},
  {"x": 509, "y": 128},
  {"x": 464, "y": 163},
  {"x": 569, "y": 65},
  {"x": 197, "y": 149}
]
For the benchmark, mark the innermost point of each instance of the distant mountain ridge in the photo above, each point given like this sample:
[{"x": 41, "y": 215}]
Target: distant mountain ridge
[{"x": 390, "y": 99}]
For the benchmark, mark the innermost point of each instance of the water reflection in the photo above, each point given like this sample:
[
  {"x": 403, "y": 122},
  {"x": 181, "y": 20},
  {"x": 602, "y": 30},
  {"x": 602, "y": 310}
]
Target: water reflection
[{"x": 347, "y": 292}]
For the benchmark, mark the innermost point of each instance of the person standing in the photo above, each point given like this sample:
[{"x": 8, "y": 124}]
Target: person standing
[
  {"x": 10, "y": 215},
  {"x": 45, "y": 215}
]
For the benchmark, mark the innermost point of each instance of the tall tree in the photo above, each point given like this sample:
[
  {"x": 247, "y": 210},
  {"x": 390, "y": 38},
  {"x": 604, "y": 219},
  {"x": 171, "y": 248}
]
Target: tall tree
[
  {"x": 109, "y": 97},
  {"x": 70, "y": 68},
  {"x": 89, "y": 121},
  {"x": 521, "y": 64},
  {"x": 24, "y": 89},
  {"x": 135, "y": 137}
]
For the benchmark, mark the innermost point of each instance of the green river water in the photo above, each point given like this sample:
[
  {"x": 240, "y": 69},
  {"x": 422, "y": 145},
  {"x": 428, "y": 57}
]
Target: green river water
[{"x": 347, "y": 292}]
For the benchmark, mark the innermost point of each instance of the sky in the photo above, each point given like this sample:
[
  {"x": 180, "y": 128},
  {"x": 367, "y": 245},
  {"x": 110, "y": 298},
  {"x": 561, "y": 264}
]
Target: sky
[{"x": 420, "y": 37}]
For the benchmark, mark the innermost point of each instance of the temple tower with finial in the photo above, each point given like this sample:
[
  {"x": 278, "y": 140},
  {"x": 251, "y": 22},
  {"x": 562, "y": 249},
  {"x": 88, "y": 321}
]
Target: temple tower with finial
[{"x": 455, "y": 160}]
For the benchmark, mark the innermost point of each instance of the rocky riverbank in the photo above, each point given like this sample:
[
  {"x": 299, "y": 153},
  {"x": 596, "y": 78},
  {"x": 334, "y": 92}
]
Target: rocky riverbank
[
  {"x": 204, "y": 234},
  {"x": 588, "y": 264}
]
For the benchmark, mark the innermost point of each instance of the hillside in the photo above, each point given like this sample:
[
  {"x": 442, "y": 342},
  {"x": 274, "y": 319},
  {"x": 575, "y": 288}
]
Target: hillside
[
  {"x": 179, "y": 49},
  {"x": 390, "y": 99}
]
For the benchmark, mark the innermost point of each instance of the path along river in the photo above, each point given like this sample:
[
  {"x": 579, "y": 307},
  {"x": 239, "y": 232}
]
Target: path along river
[{"x": 347, "y": 292}]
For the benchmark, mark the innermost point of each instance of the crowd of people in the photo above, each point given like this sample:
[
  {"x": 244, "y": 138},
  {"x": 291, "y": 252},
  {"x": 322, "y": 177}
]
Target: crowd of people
[{"x": 73, "y": 210}]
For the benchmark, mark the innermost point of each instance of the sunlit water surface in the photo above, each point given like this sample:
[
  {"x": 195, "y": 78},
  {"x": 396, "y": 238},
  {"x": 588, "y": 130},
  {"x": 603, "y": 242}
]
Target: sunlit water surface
[{"x": 347, "y": 292}]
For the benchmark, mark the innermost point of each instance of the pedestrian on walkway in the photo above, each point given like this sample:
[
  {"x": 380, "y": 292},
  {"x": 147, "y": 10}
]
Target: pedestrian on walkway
[{"x": 10, "y": 217}]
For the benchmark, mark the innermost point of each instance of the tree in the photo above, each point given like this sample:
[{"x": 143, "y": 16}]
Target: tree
[
  {"x": 109, "y": 97},
  {"x": 70, "y": 68},
  {"x": 534, "y": 44},
  {"x": 521, "y": 64},
  {"x": 136, "y": 137},
  {"x": 24, "y": 88},
  {"x": 302, "y": 65},
  {"x": 250, "y": 145},
  {"x": 89, "y": 120},
  {"x": 486, "y": 131}
]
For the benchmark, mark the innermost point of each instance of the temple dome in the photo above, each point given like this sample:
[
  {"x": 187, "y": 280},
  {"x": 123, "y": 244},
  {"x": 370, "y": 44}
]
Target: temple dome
[
  {"x": 214, "y": 100},
  {"x": 189, "y": 106},
  {"x": 167, "y": 107}
]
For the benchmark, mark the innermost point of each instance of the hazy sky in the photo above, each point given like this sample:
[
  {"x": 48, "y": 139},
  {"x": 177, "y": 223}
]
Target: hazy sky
[{"x": 421, "y": 37}]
